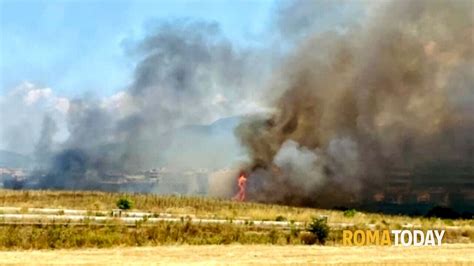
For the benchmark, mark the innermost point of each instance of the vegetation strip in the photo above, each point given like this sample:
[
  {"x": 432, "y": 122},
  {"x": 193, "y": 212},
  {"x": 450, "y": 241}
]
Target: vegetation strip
[{"x": 147, "y": 220}]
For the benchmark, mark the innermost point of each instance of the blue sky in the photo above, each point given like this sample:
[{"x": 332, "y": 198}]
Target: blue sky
[{"x": 77, "y": 46}]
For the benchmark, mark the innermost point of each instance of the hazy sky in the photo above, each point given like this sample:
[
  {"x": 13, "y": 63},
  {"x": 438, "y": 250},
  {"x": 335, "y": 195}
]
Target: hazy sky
[
  {"x": 55, "y": 52},
  {"x": 76, "y": 46}
]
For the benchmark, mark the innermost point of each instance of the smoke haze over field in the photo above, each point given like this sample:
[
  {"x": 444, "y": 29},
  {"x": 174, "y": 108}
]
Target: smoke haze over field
[
  {"x": 188, "y": 75},
  {"x": 340, "y": 94}
]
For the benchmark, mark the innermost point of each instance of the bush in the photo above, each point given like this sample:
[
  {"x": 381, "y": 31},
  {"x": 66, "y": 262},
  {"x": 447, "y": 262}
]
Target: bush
[
  {"x": 350, "y": 213},
  {"x": 124, "y": 204},
  {"x": 320, "y": 229},
  {"x": 280, "y": 218}
]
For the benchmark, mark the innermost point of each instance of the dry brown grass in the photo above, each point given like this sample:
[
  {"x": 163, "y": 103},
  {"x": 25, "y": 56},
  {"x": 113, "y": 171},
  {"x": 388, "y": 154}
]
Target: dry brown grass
[
  {"x": 209, "y": 207},
  {"x": 68, "y": 236},
  {"x": 248, "y": 255}
]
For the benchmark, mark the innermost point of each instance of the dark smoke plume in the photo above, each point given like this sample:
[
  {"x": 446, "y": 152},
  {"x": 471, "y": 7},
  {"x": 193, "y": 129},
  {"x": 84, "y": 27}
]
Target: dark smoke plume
[
  {"x": 353, "y": 107},
  {"x": 358, "y": 95},
  {"x": 183, "y": 66}
]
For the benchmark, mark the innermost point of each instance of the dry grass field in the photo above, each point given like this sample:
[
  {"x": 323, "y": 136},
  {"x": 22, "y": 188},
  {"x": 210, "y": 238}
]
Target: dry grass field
[
  {"x": 209, "y": 208},
  {"x": 49, "y": 234},
  {"x": 450, "y": 254}
]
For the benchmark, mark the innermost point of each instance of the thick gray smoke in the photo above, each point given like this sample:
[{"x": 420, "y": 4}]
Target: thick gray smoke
[
  {"x": 303, "y": 165},
  {"x": 353, "y": 106},
  {"x": 22, "y": 115},
  {"x": 44, "y": 147},
  {"x": 365, "y": 91},
  {"x": 188, "y": 74}
]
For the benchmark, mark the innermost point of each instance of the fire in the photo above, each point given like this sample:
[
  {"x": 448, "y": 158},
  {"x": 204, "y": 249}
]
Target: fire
[{"x": 242, "y": 183}]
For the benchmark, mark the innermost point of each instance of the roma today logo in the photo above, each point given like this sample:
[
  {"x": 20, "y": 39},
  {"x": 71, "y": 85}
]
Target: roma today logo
[{"x": 404, "y": 238}]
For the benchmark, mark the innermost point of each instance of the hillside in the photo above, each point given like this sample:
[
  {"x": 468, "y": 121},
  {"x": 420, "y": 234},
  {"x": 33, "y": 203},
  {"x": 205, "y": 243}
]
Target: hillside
[{"x": 13, "y": 160}]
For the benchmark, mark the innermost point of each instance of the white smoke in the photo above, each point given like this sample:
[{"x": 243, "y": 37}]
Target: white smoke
[
  {"x": 23, "y": 110},
  {"x": 304, "y": 166}
]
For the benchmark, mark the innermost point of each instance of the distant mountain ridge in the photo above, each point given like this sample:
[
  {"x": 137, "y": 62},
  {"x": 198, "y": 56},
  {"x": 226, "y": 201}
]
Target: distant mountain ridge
[
  {"x": 13, "y": 159},
  {"x": 211, "y": 145}
]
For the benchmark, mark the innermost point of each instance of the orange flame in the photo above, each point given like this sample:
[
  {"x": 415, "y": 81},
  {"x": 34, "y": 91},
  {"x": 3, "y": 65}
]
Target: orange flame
[{"x": 242, "y": 183}]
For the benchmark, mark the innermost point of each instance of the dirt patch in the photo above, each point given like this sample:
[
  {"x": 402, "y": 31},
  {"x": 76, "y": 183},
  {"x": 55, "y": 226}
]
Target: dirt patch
[{"x": 246, "y": 255}]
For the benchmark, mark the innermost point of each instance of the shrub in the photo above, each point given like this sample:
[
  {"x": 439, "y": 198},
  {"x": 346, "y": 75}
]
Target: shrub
[
  {"x": 320, "y": 229},
  {"x": 124, "y": 204},
  {"x": 280, "y": 218},
  {"x": 350, "y": 213},
  {"x": 273, "y": 236},
  {"x": 294, "y": 232}
]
